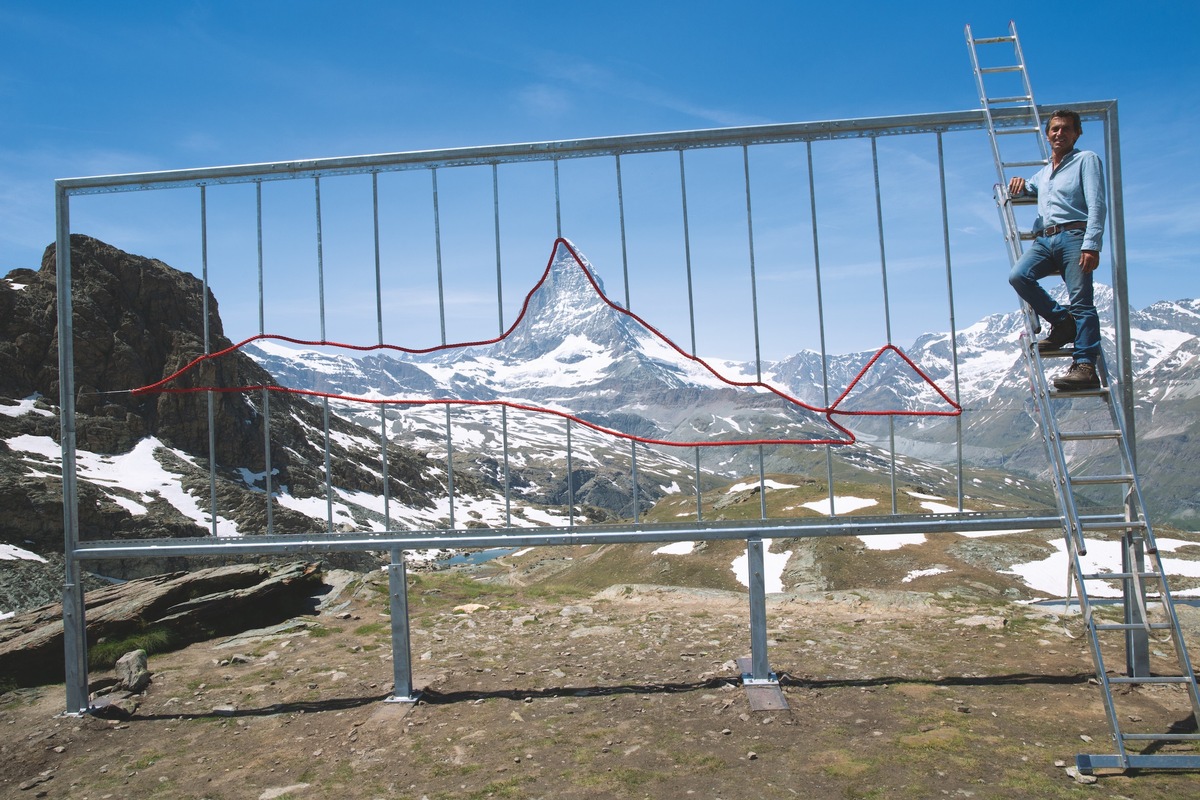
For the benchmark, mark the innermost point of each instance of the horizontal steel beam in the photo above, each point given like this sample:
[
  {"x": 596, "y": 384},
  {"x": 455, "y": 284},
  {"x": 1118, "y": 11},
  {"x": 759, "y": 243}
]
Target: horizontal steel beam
[
  {"x": 554, "y": 150},
  {"x": 591, "y": 534}
]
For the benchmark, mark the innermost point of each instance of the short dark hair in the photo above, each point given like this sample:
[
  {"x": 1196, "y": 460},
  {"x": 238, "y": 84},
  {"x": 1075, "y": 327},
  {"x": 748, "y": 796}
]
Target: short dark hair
[{"x": 1066, "y": 113}]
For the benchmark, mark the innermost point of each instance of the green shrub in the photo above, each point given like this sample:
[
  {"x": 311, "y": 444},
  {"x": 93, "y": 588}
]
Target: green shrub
[{"x": 104, "y": 654}]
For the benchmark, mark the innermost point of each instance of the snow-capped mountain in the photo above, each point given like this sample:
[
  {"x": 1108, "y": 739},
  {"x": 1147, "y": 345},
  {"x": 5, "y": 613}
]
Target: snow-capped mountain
[
  {"x": 142, "y": 458},
  {"x": 574, "y": 352},
  {"x": 495, "y": 447}
]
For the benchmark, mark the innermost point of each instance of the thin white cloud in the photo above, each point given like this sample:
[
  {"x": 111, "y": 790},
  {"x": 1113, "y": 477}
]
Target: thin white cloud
[{"x": 542, "y": 100}]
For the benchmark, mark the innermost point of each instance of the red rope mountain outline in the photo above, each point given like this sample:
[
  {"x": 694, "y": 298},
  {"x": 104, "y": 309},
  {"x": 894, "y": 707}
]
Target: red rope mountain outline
[{"x": 160, "y": 387}]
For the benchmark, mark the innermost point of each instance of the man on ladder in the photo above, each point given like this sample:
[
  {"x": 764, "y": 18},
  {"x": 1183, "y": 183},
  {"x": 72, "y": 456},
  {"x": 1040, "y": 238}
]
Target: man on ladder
[{"x": 1068, "y": 231}]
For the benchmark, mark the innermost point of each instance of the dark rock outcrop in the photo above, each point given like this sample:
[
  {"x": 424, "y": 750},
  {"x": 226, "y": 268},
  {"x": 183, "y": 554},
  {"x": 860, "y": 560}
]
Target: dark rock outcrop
[
  {"x": 193, "y": 606},
  {"x": 135, "y": 321}
]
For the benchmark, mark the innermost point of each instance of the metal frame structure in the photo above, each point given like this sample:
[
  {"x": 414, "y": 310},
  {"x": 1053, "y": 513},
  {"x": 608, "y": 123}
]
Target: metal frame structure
[{"x": 398, "y": 541}]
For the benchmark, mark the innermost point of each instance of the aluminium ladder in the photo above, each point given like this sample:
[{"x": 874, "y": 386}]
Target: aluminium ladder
[{"x": 1089, "y": 425}]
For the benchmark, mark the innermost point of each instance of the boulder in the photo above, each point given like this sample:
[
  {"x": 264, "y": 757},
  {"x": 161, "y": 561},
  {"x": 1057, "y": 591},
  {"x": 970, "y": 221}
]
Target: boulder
[{"x": 133, "y": 671}]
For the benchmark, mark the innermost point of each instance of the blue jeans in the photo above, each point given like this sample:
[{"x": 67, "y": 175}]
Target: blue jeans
[{"x": 1059, "y": 254}]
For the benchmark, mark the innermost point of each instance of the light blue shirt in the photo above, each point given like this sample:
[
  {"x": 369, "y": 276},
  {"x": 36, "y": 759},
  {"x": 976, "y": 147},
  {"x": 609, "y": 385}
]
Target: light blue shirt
[{"x": 1072, "y": 193}]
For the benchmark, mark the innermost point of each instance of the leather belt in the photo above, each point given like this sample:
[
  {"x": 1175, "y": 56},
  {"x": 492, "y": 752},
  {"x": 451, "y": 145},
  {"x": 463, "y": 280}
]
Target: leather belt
[{"x": 1066, "y": 226}]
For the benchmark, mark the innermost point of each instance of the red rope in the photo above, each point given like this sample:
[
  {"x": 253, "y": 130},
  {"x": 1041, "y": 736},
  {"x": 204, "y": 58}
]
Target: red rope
[{"x": 160, "y": 387}]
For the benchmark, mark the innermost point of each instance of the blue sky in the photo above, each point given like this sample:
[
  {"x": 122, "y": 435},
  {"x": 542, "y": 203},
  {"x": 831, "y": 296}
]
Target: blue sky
[{"x": 89, "y": 88}]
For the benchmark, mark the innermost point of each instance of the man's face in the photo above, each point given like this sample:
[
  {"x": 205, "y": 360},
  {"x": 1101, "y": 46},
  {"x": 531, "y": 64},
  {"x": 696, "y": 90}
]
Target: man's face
[{"x": 1062, "y": 135}]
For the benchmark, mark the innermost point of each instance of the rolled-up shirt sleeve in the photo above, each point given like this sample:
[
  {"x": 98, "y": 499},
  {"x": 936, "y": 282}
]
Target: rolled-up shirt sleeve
[{"x": 1091, "y": 174}]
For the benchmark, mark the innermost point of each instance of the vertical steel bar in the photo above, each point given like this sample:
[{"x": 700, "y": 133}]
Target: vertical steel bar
[
  {"x": 762, "y": 476},
  {"x": 633, "y": 468},
  {"x": 437, "y": 249},
  {"x": 557, "y": 203},
  {"x": 1120, "y": 276},
  {"x": 212, "y": 420},
  {"x": 887, "y": 305},
  {"x": 753, "y": 275},
  {"x": 383, "y": 432},
  {"x": 621, "y": 220},
  {"x": 321, "y": 314},
  {"x": 500, "y": 312},
  {"x": 687, "y": 255},
  {"x": 958, "y": 436},
  {"x": 633, "y": 473},
  {"x": 687, "y": 258},
  {"x": 402, "y": 688},
  {"x": 816, "y": 239},
  {"x": 1137, "y": 642},
  {"x": 268, "y": 478},
  {"x": 437, "y": 246},
  {"x": 74, "y": 623},
  {"x": 570, "y": 481},
  {"x": 760, "y": 669},
  {"x": 496, "y": 237}
]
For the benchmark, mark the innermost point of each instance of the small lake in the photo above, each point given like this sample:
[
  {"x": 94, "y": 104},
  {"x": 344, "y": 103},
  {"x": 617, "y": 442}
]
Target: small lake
[{"x": 478, "y": 557}]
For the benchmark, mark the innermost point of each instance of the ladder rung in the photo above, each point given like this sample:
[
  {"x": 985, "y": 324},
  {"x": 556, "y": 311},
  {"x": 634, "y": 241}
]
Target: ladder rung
[
  {"x": 1008, "y": 164},
  {"x": 1021, "y": 98},
  {"x": 1125, "y": 525},
  {"x": 1097, "y": 518},
  {"x": 993, "y": 40},
  {"x": 1087, "y": 436},
  {"x": 1131, "y": 626},
  {"x": 1119, "y": 576},
  {"x": 992, "y": 70},
  {"x": 1010, "y": 131},
  {"x": 1093, "y": 480},
  {"x": 1153, "y": 679},
  {"x": 1072, "y": 393}
]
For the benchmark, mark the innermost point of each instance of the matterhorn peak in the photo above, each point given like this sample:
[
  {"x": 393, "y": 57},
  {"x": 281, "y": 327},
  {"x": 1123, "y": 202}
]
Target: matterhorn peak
[
  {"x": 569, "y": 290},
  {"x": 568, "y": 301}
]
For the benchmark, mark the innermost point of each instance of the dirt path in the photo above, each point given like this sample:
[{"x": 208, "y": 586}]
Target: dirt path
[{"x": 630, "y": 693}]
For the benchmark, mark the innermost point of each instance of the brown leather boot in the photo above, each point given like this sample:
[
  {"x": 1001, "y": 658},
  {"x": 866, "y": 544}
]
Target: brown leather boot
[
  {"x": 1080, "y": 376},
  {"x": 1061, "y": 334}
]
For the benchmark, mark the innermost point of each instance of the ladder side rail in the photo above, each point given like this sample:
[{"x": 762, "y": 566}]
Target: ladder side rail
[
  {"x": 1055, "y": 454},
  {"x": 1136, "y": 502},
  {"x": 987, "y": 111},
  {"x": 1110, "y": 705},
  {"x": 1008, "y": 220},
  {"x": 1041, "y": 393},
  {"x": 1136, "y": 620},
  {"x": 1037, "y": 117},
  {"x": 1181, "y": 653}
]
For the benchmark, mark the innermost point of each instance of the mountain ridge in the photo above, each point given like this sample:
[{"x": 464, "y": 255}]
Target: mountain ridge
[{"x": 998, "y": 428}]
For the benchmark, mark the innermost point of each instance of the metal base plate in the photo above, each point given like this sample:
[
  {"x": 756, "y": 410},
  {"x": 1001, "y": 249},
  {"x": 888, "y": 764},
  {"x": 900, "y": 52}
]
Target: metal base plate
[
  {"x": 764, "y": 695},
  {"x": 410, "y": 699},
  {"x": 1087, "y": 763}
]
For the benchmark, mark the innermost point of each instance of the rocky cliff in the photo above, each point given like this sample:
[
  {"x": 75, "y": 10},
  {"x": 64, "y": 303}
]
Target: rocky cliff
[{"x": 135, "y": 321}]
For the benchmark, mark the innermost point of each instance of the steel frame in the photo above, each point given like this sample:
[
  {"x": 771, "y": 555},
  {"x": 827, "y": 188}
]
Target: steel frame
[{"x": 397, "y": 542}]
